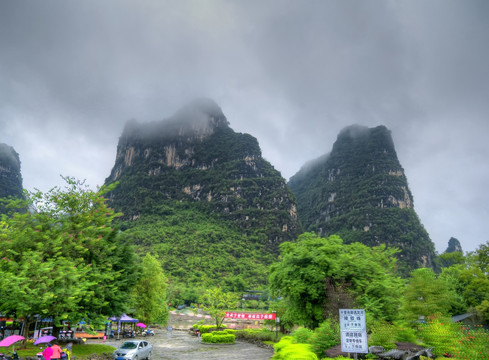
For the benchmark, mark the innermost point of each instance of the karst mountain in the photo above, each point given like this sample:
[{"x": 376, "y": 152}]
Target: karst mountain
[
  {"x": 10, "y": 175},
  {"x": 200, "y": 195},
  {"x": 360, "y": 192}
]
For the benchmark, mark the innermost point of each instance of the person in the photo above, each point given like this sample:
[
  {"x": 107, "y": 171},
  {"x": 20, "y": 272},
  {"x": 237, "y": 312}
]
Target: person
[
  {"x": 69, "y": 347},
  {"x": 47, "y": 352},
  {"x": 56, "y": 351}
]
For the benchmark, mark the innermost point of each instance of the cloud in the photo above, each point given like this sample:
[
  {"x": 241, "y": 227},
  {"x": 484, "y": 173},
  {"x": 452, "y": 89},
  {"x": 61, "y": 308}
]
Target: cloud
[{"x": 291, "y": 73}]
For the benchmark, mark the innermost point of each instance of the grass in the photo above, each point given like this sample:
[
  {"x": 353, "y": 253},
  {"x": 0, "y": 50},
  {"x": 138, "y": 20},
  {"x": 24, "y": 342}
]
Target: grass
[{"x": 79, "y": 350}]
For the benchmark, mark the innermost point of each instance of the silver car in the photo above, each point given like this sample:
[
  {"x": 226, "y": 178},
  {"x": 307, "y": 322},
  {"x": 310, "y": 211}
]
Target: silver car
[{"x": 133, "y": 350}]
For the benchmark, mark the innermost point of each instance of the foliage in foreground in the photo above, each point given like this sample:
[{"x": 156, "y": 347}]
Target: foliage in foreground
[
  {"x": 455, "y": 340},
  {"x": 318, "y": 276},
  {"x": 287, "y": 349},
  {"x": 325, "y": 336},
  {"x": 63, "y": 257}
]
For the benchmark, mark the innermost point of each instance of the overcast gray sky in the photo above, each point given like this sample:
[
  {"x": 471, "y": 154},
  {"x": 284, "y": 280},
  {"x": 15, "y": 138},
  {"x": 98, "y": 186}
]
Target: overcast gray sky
[{"x": 291, "y": 73}]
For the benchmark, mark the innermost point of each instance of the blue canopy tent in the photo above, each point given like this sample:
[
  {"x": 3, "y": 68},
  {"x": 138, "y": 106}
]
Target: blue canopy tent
[{"x": 123, "y": 319}]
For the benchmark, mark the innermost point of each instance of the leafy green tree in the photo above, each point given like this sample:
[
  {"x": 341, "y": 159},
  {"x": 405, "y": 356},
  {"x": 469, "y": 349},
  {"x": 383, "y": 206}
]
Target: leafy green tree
[
  {"x": 317, "y": 276},
  {"x": 482, "y": 257},
  {"x": 149, "y": 294},
  {"x": 216, "y": 302},
  {"x": 448, "y": 259},
  {"x": 63, "y": 258},
  {"x": 427, "y": 295},
  {"x": 456, "y": 277}
]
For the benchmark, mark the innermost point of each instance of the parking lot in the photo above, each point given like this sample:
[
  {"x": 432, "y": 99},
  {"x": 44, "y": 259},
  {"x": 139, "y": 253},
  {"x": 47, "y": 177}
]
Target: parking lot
[{"x": 180, "y": 345}]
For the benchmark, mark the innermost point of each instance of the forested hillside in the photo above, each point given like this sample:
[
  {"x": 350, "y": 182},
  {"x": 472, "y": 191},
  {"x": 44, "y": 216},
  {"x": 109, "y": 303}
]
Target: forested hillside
[
  {"x": 360, "y": 192},
  {"x": 202, "y": 197}
]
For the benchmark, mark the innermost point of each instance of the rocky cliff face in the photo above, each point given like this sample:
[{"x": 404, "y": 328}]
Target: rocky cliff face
[
  {"x": 10, "y": 176},
  {"x": 360, "y": 192},
  {"x": 195, "y": 158}
]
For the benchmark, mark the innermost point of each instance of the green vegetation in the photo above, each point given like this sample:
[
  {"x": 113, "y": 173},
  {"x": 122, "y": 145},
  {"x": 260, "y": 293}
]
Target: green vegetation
[
  {"x": 64, "y": 258},
  {"x": 206, "y": 219},
  {"x": 210, "y": 207},
  {"x": 216, "y": 302},
  {"x": 359, "y": 192},
  {"x": 287, "y": 349},
  {"x": 318, "y": 276},
  {"x": 218, "y": 337},
  {"x": 79, "y": 350},
  {"x": 198, "y": 251},
  {"x": 149, "y": 294}
]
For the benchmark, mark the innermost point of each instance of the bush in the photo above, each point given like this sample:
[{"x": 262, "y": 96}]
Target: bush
[
  {"x": 204, "y": 329},
  {"x": 218, "y": 337},
  {"x": 325, "y": 336},
  {"x": 441, "y": 334},
  {"x": 294, "y": 351},
  {"x": 382, "y": 335},
  {"x": 256, "y": 335},
  {"x": 474, "y": 344},
  {"x": 303, "y": 335},
  {"x": 404, "y": 333}
]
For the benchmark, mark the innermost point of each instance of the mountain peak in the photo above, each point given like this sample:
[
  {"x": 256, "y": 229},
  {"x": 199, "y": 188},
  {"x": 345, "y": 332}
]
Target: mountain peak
[
  {"x": 360, "y": 192},
  {"x": 10, "y": 176},
  {"x": 198, "y": 119},
  {"x": 203, "y": 106}
]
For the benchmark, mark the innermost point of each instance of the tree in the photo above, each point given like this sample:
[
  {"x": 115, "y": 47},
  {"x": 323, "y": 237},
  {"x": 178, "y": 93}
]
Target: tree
[
  {"x": 63, "y": 258},
  {"x": 426, "y": 295},
  {"x": 482, "y": 257},
  {"x": 317, "y": 276},
  {"x": 216, "y": 302},
  {"x": 149, "y": 295}
]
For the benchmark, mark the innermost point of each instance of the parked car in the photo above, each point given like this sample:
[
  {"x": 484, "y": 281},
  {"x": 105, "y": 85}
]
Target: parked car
[{"x": 133, "y": 350}]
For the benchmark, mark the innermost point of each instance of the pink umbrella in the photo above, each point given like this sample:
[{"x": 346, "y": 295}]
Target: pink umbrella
[
  {"x": 12, "y": 339},
  {"x": 141, "y": 325}
]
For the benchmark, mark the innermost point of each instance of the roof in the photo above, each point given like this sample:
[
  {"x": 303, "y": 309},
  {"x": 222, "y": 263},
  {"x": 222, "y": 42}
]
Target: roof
[
  {"x": 458, "y": 318},
  {"x": 124, "y": 318}
]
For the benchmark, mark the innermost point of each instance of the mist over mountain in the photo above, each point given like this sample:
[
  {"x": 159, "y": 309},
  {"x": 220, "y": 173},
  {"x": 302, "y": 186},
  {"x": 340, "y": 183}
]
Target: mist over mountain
[
  {"x": 360, "y": 192},
  {"x": 202, "y": 195}
]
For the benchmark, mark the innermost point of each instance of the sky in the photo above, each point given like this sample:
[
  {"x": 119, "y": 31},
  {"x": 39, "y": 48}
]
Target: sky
[{"x": 291, "y": 73}]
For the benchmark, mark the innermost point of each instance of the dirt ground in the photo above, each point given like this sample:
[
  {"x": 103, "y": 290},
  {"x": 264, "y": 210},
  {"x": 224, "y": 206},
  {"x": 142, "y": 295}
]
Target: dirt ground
[{"x": 180, "y": 345}]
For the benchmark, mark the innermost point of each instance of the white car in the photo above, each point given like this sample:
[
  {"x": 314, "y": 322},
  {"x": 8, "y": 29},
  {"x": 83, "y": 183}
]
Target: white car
[{"x": 133, "y": 350}]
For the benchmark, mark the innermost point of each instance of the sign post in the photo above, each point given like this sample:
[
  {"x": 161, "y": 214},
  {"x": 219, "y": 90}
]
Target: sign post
[{"x": 353, "y": 331}]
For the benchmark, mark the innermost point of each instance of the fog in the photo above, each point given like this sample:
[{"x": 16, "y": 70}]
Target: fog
[{"x": 291, "y": 73}]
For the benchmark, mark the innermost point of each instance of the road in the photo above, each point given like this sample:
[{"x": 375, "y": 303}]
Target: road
[{"x": 180, "y": 345}]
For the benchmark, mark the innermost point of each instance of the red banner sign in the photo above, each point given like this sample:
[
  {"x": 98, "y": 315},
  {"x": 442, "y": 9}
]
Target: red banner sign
[{"x": 251, "y": 316}]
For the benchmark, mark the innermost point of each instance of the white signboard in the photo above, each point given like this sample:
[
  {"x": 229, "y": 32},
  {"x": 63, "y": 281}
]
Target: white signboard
[{"x": 353, "y": 331}]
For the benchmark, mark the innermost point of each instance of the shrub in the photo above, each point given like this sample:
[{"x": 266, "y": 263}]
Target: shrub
[
  {"x": 474, "y": 344},
  {"x": 218, "y": 337},
  {"x": 204, "y": 329},
  {"x": 441, "y": 334},
  {"x": 404, "y": 333},
  {"x": 284, "y": 341},
  {"x": 303, "y": 335},
  {"x": 382, "y": 335},
  {"x": 288, "y": 350},
  {"x": 325, "y": 336},
  {"x": 256, "y": 335}
]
